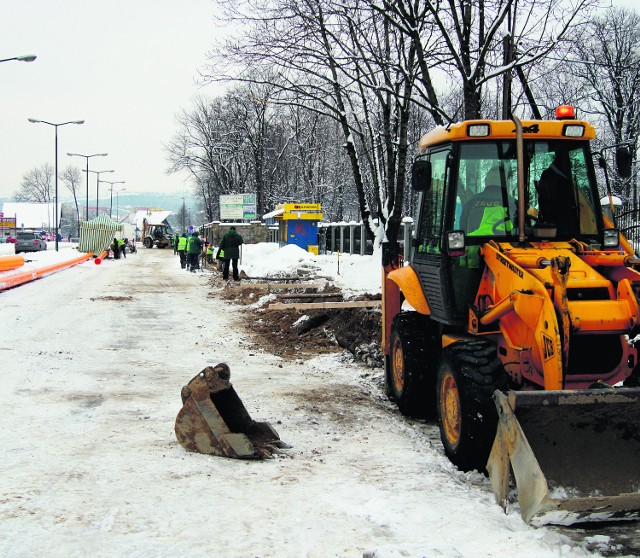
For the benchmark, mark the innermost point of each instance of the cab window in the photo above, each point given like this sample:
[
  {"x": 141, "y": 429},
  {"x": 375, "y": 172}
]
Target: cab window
[{"x": 432, "y": 209}]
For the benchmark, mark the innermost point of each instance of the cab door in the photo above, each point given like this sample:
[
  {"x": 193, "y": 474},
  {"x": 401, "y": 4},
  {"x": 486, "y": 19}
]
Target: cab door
[{"x": 430, "y": 260}]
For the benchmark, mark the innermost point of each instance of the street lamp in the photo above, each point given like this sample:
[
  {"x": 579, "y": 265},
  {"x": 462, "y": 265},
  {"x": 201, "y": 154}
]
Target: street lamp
[
  {"x": 98, "y": 173},
  {"x": 184, "y": 214},
  {"x": 22, "y": 58},
  {"x": 118, "y": 202},
  {"x": 87, "y": 171},
  {"x": 56, "y": 125},
  {"x": 112, "y": 183}
]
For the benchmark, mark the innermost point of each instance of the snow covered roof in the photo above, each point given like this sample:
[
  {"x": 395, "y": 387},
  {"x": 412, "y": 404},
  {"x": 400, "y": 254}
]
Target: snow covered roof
[
  {"x": 273, "y": 213},
  {"x": 32, "y": 215},
  {"x": 152, "y": 217}
]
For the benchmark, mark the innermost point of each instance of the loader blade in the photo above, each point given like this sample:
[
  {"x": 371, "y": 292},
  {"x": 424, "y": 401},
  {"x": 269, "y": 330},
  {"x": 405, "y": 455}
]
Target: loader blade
[
  {"x": 575, "y": 455},
  {"x": 214, "y": 421}
]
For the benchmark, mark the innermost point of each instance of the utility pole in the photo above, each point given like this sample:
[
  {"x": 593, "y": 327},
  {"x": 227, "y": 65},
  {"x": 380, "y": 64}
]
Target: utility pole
[{"x": 184, "y": 212}]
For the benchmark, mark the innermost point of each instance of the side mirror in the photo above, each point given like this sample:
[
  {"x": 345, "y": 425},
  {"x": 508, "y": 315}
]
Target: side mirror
[
  {"x": 623, "y": 162},
  {"x": 421, "y": 175}
]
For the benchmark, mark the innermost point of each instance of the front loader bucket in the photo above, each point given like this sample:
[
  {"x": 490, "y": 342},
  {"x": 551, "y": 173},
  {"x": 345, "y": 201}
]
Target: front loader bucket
[
  {"x": 214, "y": 421},
  {"x": 575, "y": 455}
]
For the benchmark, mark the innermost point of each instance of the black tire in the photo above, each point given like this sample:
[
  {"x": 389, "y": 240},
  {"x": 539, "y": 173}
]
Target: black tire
[
  {"x": 410, "y": 368},
  {"x": 634, "y": 379},
  {"x": 468, "y": 375},
  {"x": 148, "y": 243}
]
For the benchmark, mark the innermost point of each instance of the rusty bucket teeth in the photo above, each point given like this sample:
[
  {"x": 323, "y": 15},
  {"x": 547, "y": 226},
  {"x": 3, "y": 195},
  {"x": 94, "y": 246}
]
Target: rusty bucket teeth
[{"x": 214, "y": 421}]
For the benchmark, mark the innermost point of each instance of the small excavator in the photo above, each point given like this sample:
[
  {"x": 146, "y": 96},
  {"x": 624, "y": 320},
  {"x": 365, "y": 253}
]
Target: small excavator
[{"x": 514, "y": 322}]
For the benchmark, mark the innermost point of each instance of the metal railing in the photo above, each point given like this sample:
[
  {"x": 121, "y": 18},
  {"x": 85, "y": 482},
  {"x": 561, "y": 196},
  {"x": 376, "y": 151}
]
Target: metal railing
[
  {"x": 628, "y": 222},
  {"x": 351, "y": 238}
]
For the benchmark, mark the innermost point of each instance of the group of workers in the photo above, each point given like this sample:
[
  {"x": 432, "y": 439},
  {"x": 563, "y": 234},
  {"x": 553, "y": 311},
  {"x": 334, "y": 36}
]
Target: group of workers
[
  {"x": 191, "y": 248},
  {"x": 119, "y": 247}
]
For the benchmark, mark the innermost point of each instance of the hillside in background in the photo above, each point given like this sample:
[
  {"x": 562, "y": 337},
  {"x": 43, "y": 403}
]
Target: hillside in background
[
  {"x": 126, "y": 202},
  {"x": 169, "y": 202}
]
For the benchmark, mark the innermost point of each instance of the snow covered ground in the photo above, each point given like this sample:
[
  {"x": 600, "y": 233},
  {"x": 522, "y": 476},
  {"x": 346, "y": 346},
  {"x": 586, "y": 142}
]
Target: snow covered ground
[{"x": 93, "y": 359}]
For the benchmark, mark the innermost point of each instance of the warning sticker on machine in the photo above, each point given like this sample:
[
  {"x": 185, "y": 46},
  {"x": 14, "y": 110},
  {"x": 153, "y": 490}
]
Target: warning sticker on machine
[{"x": 547, "y": 347}]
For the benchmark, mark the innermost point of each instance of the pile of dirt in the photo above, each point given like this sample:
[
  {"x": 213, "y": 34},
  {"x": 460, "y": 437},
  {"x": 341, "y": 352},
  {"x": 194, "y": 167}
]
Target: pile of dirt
[{"x": 294, "y": 334}]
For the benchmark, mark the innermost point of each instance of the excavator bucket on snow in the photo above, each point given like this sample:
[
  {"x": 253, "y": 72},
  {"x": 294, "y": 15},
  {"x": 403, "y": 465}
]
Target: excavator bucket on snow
[
  {"x": 575, "y": 455},
  {"x": 214, "y": 421}
]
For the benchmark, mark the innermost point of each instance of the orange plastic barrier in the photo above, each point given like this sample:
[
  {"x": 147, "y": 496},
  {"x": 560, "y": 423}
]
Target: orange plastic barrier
[
  {"x": 7, "y": 263},
  {"x": 21, "y": 278},
  {"x": 101, "y": 257}
]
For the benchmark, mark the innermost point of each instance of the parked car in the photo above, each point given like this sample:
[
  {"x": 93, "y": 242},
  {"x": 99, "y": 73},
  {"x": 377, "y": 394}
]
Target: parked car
[{"x": 29, "y": 241}]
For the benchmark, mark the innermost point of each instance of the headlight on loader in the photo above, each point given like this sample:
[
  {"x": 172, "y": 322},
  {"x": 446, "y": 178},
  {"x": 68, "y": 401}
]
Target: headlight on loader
[
  {"x": 611, "y": 238},
  {"x": 455, "y": 243}
]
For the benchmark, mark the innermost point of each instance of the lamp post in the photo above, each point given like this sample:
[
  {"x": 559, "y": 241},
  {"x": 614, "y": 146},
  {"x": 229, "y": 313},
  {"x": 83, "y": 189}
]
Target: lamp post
[
  {"x": 21, "y": 58},
  {"x": 87, "y": 157},
  {"x": 98, "y": 173},
  {"x": 56, "y": 125},
  {"x": 112, "y": 183},
  {"x": 118, "y": 202},
  {"x": 184, "y": 214}
]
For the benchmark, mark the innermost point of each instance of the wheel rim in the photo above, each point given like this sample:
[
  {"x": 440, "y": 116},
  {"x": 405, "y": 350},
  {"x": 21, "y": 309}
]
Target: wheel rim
[
  {"x": 450, "y": 408},
  {"x": 398, "y": 366}
]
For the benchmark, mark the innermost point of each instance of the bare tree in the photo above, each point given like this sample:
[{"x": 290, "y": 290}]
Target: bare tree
[
  {"x": 347, "y": 63},
  {"x": 253, "y": 115},
  {"x": 72, "y": 178},
  {"x": 206, "y": 146},
  {"x": 36, "y": 185},
  {"x": 475, "y": 42},
  {"x": 606, "y": 61}
]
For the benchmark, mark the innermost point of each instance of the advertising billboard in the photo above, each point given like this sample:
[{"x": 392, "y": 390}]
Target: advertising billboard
[{"x": 238, "y": 207}]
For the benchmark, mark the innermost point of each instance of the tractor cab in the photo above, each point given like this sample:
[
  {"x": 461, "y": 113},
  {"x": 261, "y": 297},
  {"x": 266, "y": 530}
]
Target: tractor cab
[{"x": 468, "y": 179}]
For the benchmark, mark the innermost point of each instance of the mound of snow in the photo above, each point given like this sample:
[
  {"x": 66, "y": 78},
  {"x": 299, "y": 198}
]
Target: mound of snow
[{"x": 269, "y": 260}]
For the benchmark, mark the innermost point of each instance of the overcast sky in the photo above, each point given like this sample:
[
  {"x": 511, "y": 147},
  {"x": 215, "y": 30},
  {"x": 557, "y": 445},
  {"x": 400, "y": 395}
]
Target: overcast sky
[{"x": 126, "y": 67}]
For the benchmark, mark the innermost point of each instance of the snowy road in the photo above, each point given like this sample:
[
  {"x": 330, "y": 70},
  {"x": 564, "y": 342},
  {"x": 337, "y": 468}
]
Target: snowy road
[{"x": 92, "y": 361}]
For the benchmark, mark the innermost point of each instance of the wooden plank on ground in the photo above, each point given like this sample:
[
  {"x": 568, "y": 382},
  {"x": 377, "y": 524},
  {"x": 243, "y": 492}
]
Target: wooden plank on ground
[
  {"x": 324, "y": 305},
  {"x": 308, "y": 295},
  {"x": 276, "y": 286}
]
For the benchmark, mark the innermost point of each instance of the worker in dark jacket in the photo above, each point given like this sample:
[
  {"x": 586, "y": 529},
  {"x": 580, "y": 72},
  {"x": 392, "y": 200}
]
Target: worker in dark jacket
[
  {"x": 115, "y": 248},
  {"x": 195, "y": 249},
  {"x": 230, "y": 247}
]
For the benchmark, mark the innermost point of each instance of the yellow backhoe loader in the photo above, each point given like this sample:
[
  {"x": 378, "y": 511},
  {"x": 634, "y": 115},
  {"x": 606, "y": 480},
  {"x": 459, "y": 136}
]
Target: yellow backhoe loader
[{"x": 514, "y": 321}]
